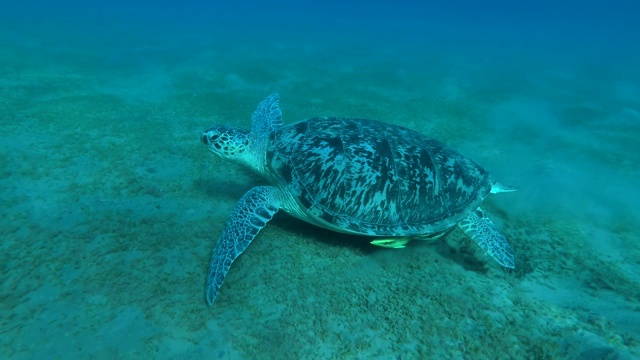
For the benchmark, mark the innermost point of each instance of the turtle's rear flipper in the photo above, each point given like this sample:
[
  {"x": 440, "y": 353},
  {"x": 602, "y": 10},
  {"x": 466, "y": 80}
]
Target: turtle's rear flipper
[
  {"x": 486, "y": 234},
  {"x": 249, "y": 216}
]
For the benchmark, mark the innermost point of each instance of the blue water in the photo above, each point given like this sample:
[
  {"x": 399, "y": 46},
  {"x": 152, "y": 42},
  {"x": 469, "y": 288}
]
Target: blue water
[{"x": 111, "y": 205}]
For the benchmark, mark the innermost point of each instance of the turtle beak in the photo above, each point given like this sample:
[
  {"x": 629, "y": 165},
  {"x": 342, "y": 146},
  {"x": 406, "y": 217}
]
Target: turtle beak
[{"x": 205, "y": 139}]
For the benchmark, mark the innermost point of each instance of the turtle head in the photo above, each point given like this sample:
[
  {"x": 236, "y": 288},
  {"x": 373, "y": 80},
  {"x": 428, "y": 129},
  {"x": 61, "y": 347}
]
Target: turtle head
[{"x": 227, "y": 142}]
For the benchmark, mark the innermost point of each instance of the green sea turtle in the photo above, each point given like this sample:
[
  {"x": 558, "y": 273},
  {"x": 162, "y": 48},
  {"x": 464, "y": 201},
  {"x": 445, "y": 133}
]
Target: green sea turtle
[{"x": 353, "y": 176}]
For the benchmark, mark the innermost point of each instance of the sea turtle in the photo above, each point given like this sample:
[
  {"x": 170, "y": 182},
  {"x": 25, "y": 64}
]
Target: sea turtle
[{"x": 352, "y": 176}]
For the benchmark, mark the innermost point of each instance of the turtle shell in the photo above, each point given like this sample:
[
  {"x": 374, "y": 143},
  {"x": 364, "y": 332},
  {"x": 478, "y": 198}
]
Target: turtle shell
[{"x": 373, "y": 178}]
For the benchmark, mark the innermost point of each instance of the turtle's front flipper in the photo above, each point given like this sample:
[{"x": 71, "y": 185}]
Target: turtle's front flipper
[
  {"x": 249, "y": 216},
  {"x": 487, "y": 235}
]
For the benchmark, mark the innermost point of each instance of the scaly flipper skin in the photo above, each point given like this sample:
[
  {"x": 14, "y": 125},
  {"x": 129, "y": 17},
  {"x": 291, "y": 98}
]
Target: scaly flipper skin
[
  {"x": 249, "y": 216},
  {"x": 267, "y": 117},
  {"x": 487, "y": 235}
]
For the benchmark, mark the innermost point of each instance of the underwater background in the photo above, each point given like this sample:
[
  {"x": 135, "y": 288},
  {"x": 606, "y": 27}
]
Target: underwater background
[{"x": 111, "y": 205}]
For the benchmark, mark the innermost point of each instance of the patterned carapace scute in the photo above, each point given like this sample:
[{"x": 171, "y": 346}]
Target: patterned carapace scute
[{"x": 375, "y": 178}]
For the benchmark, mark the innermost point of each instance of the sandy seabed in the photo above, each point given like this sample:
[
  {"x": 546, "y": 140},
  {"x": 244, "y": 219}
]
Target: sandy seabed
[{"x": 111, "y": 207}]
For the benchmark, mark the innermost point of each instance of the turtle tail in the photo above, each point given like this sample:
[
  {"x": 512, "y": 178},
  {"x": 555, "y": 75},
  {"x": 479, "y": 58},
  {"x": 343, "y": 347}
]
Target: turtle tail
[{"x": 497, "y": 187}]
